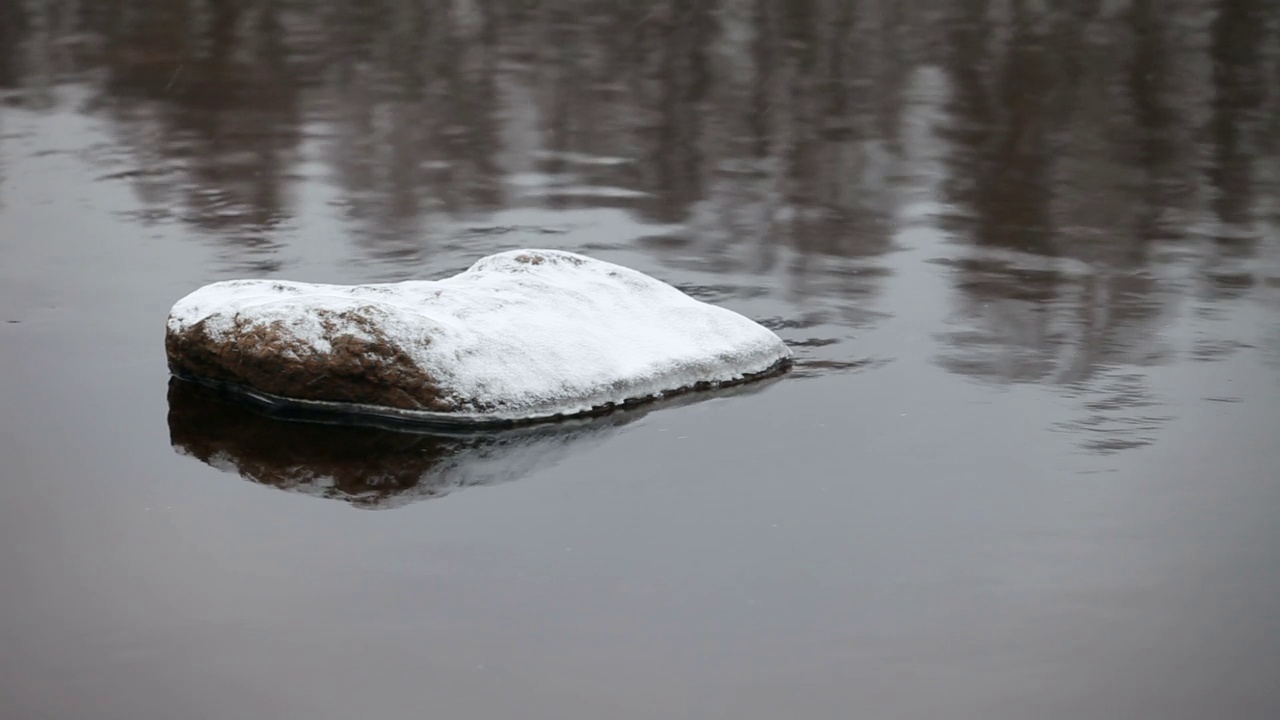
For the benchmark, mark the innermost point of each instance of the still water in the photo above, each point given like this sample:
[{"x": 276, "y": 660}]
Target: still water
[{"x": 1027, "y": 466}]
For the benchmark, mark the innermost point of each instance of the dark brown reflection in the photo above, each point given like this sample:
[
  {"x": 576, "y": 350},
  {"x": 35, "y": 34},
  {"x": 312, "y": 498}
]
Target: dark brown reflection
[
  {"x": 412, "y": 94},
  {"x": 13, "y": 19},
  {"x": 1102, "y": 172},
  {"x": 373, "y": 467},
  {"x": 206, "y": 106},
  {"x": 367, "y": 467}
]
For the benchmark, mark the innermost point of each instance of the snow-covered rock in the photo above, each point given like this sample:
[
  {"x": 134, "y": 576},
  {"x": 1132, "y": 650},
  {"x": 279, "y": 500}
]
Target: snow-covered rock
[{"x": 521, "y": 335}]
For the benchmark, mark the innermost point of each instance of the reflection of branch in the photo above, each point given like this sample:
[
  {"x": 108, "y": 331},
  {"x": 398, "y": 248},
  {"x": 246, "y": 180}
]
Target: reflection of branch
[
  {"x": 211, "y": 112},
  {"x": 13, "y": 26},
  {"x": 1116, "y": 415}
]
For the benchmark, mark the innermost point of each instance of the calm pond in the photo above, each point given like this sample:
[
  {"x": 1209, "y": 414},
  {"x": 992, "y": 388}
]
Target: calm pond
[{"x": 1027, "y": 464}]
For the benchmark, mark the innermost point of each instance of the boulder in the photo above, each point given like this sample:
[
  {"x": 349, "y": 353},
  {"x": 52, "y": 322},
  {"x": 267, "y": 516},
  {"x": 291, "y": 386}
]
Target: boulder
[{"x": 520, "y": 336}]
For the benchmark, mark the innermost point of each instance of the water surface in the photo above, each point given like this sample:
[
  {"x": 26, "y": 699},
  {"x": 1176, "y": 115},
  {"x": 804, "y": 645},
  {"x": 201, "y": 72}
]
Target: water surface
[{"x": 1026, "y": 466}]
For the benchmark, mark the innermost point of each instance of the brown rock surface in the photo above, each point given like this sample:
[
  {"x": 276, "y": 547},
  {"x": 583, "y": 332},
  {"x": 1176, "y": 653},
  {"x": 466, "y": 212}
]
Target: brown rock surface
[{"x": 363, "y": 366}]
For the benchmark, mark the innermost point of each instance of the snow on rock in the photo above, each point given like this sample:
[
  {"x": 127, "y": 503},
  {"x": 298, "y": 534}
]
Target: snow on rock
[{"x": 521, "y": 335}]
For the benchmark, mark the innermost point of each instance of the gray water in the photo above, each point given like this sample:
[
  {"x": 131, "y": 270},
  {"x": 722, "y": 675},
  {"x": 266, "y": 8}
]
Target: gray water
[{"x": 1026, "y": 466}]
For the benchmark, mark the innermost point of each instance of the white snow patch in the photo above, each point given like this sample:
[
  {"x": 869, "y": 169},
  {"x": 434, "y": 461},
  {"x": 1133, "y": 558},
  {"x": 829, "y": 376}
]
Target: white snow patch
[
  {"x": 520, "y": 335},
  {"x": 585, "y": 191},
  {"x": 576, "y": 158}
]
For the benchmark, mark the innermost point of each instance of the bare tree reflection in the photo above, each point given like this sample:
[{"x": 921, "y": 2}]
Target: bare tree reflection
[
  {"x": 203, "y": 95},
  {"x": 1109, "y": 167},
  {"x": 414, "y": 90},
  {"x": 1077, "y": 164},
  {"x": 13, "y": 26}
]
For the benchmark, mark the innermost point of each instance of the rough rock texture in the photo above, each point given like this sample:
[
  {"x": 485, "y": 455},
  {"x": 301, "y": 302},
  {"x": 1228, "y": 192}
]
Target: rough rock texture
[
  {"x": 360, "y": 365},
  {"x": 521, "y": 335}
]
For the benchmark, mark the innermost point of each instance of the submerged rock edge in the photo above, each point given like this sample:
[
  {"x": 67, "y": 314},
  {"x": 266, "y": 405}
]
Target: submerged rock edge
[{"x": 397, "y": 418}]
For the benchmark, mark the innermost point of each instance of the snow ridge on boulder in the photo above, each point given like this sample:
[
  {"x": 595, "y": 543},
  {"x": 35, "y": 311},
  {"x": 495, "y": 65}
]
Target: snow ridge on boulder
[{"x": 520, "y": 336}]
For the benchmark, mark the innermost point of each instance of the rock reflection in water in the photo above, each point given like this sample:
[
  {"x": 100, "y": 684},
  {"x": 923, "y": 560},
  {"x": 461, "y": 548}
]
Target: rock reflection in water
[{"x": 376, "y": 467}]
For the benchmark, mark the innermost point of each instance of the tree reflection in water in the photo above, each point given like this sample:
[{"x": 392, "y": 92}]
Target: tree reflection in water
[{"x": 1105, "y": 173}]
